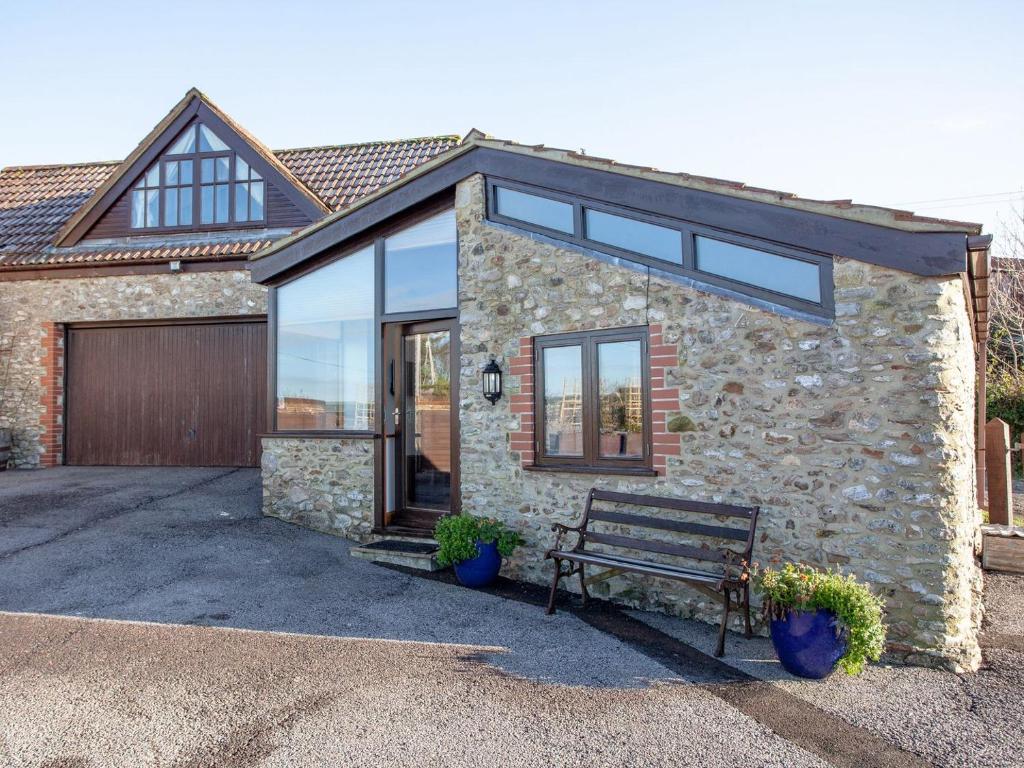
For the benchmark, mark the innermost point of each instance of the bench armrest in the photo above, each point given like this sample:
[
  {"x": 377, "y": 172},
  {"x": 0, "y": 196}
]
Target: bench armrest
[
  {"x": 560, "y": 531},
  {"x": 740, "y": 564}
]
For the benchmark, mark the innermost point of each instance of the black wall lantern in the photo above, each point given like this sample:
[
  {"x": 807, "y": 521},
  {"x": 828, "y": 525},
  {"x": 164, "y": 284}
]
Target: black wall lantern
[{"x": 492, "y": 381}]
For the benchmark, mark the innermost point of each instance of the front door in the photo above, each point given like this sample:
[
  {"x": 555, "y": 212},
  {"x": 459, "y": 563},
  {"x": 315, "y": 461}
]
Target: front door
[{"x": 422, "y": 377}]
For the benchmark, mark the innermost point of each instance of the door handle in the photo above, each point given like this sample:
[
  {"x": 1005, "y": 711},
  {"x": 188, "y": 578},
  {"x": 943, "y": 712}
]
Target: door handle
[{"x": 398, "y": 417}]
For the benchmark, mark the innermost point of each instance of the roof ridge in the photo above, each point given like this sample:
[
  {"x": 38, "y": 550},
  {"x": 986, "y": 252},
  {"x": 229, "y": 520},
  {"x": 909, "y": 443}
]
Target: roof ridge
[
  {"x": 97, "y": 163},
  {"x": 440, "y": 137},
  {"x": 42, "y": 166}
]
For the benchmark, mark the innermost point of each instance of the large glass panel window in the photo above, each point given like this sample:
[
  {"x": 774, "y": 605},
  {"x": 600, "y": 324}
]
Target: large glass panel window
[
  {"x": 780, "y": 274},
  {"x": 325, "y": 347},
  {"x": 421, "y": 266},
  {"x": 534, "y": 209},
  {"x": 632, "y": 235},
  {"x": 200, "y": 180},
  {"x": 592, "y": 399}
]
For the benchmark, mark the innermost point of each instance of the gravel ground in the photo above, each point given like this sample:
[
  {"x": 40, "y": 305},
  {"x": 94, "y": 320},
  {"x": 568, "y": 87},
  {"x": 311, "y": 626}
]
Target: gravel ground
[
  {"x": 188, "y": 546},
  {"x": 951, "y": 720},
  {"x": 153, "y": 617},
  {"x": 101, "y": 693},
  {"x": 386, "y": 668}
]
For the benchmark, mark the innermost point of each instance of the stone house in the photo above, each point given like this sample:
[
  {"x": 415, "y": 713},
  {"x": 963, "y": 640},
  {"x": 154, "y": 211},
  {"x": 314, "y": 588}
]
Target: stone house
[
  {"x": 657, "y": 333},
  {"x": 133, "y": 264}
]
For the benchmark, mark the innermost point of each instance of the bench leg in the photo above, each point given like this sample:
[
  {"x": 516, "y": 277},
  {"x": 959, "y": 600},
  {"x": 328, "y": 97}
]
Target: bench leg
[
  {"x": 746, "y": 608},
  {"x": 720, "y": 650},
  {"x": 583, "y": 585},
  {"x": 554, "y": 586}
]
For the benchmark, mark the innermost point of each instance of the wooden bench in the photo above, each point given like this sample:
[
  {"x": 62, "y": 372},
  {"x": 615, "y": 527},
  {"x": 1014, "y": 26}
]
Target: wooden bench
[{"x": 731, "y": 576}]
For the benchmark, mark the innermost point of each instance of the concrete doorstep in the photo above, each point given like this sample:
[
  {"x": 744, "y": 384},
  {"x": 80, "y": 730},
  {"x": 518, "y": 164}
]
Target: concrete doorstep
[{"x": 417, "y": 554}]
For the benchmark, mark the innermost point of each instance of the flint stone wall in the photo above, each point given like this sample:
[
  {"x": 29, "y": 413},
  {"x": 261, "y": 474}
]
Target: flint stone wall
[
  {"x": 855, "y": 437},
  {"x": 326, "y": 485},
  {"x": 26, "y": 306}
]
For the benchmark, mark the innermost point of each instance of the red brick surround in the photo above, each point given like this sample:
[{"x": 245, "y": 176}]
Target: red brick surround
[
  {"x": 522, "y": 403},
  {"x": 52, "y": 418},
  {"x": 664, "y": 401}
]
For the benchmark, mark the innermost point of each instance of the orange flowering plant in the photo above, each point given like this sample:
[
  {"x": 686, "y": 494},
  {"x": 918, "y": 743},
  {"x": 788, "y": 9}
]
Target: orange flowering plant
[{"x": 795, "y": 587}]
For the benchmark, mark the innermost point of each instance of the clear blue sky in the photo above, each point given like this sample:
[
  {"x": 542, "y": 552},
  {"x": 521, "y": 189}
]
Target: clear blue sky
[{"x": 889, "y": 103}]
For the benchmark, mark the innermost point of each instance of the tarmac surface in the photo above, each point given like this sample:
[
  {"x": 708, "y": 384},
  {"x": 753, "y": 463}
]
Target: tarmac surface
[{"x": 153, "y": 617}]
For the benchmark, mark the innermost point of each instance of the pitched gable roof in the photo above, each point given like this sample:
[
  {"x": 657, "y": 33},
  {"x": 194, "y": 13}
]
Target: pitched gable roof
[
  {"x": 342, "y": 174},
  {"x": 194, "y": 104},
  {"x": 37, "y": 202}
]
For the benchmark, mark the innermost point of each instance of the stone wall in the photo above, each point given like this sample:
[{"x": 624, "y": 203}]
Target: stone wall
[
  {"x": 31, "y": 312},
  {"x": 327, "y": 485},
  {"x": 856, "y": 437}
]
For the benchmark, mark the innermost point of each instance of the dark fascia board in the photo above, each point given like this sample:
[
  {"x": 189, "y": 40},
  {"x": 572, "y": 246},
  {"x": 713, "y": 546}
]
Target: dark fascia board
[
  {"x": 921, "y": 253},
  {"x": 196, "y": 109},
  {"x": 272, "y": 268}
]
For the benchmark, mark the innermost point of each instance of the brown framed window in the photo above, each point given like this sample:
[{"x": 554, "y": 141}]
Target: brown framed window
[
  {"x": 199, "y": 183},
  {"x": 744, "y": 266},
  {"x": 592, "y": 401}
]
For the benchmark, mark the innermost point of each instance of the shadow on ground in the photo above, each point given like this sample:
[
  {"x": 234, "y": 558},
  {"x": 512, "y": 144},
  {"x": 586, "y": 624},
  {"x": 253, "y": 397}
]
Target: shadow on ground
[{"x": 189, "y": 546}]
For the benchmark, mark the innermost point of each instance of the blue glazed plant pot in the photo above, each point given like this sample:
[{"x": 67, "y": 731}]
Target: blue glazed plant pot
[
  {"x": 482, "y": 569},
  {"x": 808, "y": 644}
]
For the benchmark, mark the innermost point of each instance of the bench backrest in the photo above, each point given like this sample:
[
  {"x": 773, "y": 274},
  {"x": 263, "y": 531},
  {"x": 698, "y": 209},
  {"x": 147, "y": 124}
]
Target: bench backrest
[{"x": 721, "y": 554}]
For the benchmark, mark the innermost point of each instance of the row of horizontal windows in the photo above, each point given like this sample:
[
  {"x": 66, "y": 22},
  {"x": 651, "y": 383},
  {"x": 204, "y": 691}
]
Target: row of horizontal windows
[
  {"x": 214, "y": 205},
  {"x": 796, "y": 278}
]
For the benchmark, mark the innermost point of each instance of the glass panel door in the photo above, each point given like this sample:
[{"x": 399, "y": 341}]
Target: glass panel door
[
  {"x": 427, "y": 434},
  {"x": 420, "y": 427}
]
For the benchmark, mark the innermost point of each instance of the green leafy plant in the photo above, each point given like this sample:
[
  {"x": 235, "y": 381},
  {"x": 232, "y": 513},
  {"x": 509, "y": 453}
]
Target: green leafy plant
[
  {"x": 457, "y": 536},
  {"x": 1004, "y": 394},
  {"x": 803, "y": 588}
]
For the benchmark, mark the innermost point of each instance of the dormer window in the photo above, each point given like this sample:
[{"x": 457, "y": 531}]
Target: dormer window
[{"x": 200, "y": 180}]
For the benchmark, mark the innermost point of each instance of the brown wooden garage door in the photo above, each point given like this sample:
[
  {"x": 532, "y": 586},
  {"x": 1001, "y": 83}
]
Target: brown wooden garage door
[{"x": 183, "y": 394}]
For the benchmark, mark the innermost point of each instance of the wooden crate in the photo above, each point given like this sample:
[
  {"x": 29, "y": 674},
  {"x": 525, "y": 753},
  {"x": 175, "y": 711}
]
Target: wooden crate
[{"x": 1002, "y": 548}]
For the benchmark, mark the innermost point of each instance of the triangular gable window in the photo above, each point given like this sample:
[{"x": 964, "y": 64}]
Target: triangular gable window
[
  {"x": 208, "y": 141},
  {"x": 199, "y": 180}
]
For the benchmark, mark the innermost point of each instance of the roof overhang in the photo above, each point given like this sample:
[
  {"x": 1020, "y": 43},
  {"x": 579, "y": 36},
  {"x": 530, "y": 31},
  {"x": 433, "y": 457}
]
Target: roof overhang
[{"x": 923, "y": 253}]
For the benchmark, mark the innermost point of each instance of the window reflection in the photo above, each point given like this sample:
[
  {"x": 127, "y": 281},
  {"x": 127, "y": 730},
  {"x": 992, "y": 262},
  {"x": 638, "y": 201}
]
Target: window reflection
[
  {"x": 325, "y": 347},
  {"x": 563, "y": 401},
  {"x": 427, "y": 423},
  {"x": 793, "y": 277},
  {"x": 542, "y": 211},
  {"x": 632, "y": 235},
  {"x": 420, "y": 265},
  {"x": 620, "y": 389}
]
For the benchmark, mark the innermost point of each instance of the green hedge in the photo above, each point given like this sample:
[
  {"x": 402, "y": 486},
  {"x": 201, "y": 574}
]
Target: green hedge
[{"x": 1005, "y": 399}]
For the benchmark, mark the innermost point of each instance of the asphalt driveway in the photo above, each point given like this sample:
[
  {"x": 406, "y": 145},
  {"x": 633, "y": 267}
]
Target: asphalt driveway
[{"x": 153, "y": 617}]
